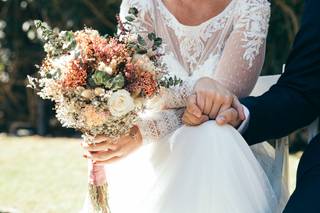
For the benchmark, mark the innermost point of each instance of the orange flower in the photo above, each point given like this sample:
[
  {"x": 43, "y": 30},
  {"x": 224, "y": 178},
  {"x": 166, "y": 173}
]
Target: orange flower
[
  {"x": 143, "y": 84},
  {"x": 77, "y": 75}
]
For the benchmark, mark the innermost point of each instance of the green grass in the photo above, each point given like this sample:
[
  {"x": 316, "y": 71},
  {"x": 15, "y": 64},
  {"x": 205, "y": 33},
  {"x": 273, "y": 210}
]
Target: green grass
[{"x": 42, "y": 175}]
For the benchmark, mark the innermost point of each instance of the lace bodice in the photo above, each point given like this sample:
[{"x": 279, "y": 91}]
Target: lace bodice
[{"x": 229, "y": 47}]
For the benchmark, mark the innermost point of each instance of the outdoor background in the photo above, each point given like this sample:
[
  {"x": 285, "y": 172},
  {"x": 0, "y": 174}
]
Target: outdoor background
[{"x": 41, "y": 168}]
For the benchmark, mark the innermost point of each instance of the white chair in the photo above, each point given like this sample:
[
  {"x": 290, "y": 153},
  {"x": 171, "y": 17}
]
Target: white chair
[
  {"x": 264, "y": 83},
  {"x": 313, "y": 130},
  {"x": 281, "y": 145}
]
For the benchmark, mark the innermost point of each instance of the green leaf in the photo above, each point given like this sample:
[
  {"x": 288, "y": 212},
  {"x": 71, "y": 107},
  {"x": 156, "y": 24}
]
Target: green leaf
[
  {"x": 129, "y": 18},
  {"x": 69, "y": 36},
  {"x": 48, "y": 75},
  {"x": 37, "y": 23},
  {"x": 100, "y": 78},
  {"x": 151, "y": 36},
  {"x": 170, "y": 82},
  {"x": 131, "y": 45},
  {"x": 141, "y": 51},
  {"x": 141, "y": 41},
  {"x": 118, "y": 82},
  {"x": 133, "y": 11},
  {"x": 157, "y": 41},
  {"x": 92, "y": 83},
  {"x": 108, "y": 84},
  {"x": 56, "y": 74}
]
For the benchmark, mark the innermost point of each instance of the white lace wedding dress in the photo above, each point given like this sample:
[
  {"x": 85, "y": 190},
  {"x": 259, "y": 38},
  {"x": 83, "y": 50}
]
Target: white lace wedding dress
[{"x": 208, "y": 168}]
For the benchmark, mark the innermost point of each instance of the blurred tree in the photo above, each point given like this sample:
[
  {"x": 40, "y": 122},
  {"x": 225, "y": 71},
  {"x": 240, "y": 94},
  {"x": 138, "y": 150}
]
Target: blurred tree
[
  {"x": 284, "y": 24},
  {"x": 20, "y": 48}
]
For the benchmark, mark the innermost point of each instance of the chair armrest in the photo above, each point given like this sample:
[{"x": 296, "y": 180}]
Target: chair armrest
[{"x": 313, "y": 129}]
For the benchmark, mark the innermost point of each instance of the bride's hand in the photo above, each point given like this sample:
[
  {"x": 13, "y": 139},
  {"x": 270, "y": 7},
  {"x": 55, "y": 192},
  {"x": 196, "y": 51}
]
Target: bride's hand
[
  {"x": 210, "y": 98},
  {"x": 106, "y": 150},
  {"x": 191, "y": 115}
]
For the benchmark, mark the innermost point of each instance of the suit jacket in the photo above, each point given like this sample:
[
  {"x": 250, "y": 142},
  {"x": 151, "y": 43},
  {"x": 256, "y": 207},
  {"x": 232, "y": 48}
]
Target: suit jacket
[{"x": 294, "y": 101}]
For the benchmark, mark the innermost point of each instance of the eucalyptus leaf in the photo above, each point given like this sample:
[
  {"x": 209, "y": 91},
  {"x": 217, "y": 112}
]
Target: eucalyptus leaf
[
  {"x": 170, "y": 82},
  {"x": 151, "y": 36},
  {"x": 141, "y": 40},
  {"x": 129, "y": 18},
  {"x": 108, "y": 84},
  {"x": 158, "y": 42},
  {"x": 141, "y": 51},
  {"x": 134, "y": 11},
  {"x": 92, "y": 83},
  {"x": 118, "y": 82},
  {"x": 100, "y": 78}
]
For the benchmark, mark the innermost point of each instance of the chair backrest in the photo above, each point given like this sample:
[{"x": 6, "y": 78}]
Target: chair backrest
[
  {"x": 313, "y": 130},
  {"x": 281, "y": 163},
  {"x": 264, "y": 83}
]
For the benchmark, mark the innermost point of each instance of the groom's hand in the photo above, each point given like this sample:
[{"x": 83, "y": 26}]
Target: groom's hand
[
  {"x": 231, "y": 116},
  {"x": 193, "y": 115},
  {"x": 210, "y": 99}
]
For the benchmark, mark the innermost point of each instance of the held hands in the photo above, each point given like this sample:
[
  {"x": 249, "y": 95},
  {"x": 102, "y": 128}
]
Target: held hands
[
  {"x": 107, "y": 150},
  {"x": 212, "y": 101}
]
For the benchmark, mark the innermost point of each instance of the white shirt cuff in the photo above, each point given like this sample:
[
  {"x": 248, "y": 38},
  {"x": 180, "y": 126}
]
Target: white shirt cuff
[{"x": 244, "y": 125}]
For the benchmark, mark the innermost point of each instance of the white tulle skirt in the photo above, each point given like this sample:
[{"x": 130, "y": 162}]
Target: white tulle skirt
[{"x": 203, "y": 169}]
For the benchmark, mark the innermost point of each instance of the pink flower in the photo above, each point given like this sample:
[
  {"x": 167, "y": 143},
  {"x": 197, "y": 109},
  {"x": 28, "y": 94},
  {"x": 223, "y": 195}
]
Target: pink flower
[{"x": 94, "y": 118}]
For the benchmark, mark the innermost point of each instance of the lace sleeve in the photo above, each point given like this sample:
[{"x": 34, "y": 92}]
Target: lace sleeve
[
  {"x": 155, "y": 125},
  {"x": 176, "y": 97},
  {"x": 243, "y": 55}
]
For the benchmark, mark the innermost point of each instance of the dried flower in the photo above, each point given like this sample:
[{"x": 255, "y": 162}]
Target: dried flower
[
  {"x": 99, "y": 83},
  {"x": 88, "y": 94},
  {"x": 93, "y": 117},
  {"x": 77, "y": 75},
  {"x": 104, "y": 68}
]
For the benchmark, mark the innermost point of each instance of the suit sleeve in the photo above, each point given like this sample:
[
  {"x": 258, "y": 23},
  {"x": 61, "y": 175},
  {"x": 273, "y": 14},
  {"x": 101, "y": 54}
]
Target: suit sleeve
[
  {"x": 294, "y": 101},
  {"x": 277, "y": 113}
]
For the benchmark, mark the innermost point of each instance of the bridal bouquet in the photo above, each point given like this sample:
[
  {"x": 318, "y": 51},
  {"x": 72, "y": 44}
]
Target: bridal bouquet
[{"x": 99, "y": 84}]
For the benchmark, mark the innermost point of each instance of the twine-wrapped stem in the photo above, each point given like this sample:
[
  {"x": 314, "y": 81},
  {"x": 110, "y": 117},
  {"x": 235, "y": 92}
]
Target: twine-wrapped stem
[{"x": 98, "y": 188}]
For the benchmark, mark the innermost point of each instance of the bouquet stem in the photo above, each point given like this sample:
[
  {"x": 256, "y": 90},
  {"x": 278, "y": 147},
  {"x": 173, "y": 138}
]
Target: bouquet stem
[{"x": 98, "y": 188}]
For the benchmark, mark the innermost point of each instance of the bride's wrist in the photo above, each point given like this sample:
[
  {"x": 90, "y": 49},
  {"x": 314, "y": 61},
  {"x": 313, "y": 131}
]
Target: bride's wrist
[{"x": 203, "y": 80}]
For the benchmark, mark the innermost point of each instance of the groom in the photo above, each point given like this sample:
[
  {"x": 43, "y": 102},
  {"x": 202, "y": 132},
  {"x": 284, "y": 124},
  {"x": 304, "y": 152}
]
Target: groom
[{"x": 292, "y": 103}]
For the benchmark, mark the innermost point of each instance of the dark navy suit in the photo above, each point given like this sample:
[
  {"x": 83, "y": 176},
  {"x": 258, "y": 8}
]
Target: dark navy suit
[{"x": 292, "y": 103}]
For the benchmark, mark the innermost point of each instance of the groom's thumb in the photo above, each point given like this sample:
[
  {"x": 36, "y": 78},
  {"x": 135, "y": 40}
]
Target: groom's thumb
[{"x": 229, "y": 116}]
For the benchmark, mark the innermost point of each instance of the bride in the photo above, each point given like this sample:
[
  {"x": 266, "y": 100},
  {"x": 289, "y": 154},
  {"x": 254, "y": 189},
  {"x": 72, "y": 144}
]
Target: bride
[{"x": 202, "y": 169}]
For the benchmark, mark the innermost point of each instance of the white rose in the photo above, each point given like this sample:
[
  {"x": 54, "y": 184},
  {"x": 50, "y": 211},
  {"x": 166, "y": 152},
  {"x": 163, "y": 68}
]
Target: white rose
[
  {"x": 120, "y": 103},
  {"x": 104, "y": 68}
]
